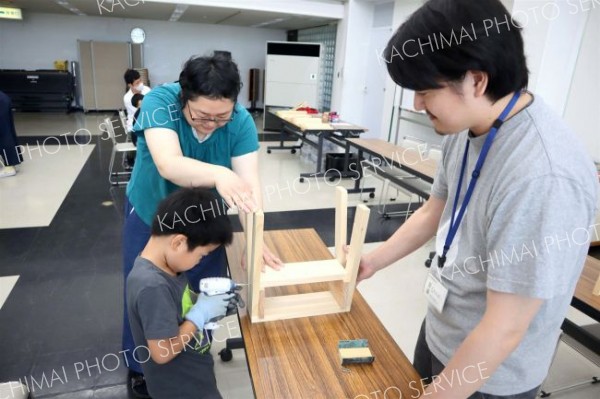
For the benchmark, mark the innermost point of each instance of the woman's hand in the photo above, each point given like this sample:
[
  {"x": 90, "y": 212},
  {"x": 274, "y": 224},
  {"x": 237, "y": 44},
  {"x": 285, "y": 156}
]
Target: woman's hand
[
  {"x": 235, "y": 191},
  {"x": 268, "y": 259}
]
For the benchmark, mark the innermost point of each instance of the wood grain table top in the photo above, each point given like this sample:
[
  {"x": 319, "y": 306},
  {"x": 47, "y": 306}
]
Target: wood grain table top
[
  {"x": 298, "y": 358},
  {"x": 586, "y": 283},
  {"x": 306, "y": 122}
]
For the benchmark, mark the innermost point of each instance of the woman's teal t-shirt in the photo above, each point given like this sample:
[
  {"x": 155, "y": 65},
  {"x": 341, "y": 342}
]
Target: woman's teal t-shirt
[{"x": 162, "y": 109}]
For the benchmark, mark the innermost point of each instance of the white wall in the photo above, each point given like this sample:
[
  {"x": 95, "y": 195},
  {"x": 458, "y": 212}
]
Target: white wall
[
  {"x": 383, "y": 15},
  {"x": 563, "y": 56},
  {"x": 391, "y": 126},
  {"x": 553, "y": 31},
  {"x": 352, "y": 50},
  {"x": 582, "y": 112},
  {"x": 39, "y": 39}
]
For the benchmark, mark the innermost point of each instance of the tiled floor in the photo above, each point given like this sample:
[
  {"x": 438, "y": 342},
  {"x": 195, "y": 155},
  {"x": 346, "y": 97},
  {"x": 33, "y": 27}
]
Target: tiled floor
[
  {"x": 32, "y": 197},
  {"x": 61, "y": 318}
]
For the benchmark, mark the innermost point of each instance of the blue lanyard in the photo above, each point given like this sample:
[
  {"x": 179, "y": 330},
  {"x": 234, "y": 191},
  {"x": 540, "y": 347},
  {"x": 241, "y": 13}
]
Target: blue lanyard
[{"x": 455, "y": 223}]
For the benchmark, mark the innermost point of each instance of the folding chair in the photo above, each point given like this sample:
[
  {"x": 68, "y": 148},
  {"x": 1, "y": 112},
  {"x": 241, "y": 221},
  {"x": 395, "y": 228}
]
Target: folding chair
[{"x": 122, "y": 148}]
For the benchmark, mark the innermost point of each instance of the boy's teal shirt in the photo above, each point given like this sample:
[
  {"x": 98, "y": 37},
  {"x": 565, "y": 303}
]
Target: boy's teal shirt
[{"x": 162, "y": 108}]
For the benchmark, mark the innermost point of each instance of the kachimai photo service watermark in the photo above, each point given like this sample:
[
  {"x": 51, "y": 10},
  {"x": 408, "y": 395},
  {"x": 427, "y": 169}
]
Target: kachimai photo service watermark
[
  {"x": 548, "y": 11},
  {"x": 110, "y": 362},
  {"x": 333, "y": 177},
  {"x": 525, "y": 252},
  {"x": 109, "y": 6},
  {"x": 470, "y": 375}
]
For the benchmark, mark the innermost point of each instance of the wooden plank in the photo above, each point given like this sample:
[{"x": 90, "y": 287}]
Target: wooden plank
[
  {"x": 359, "y": 231},
  {"x": 298, "y": 358},
  {"x": 303, "y": 273},
  {"x": 249, "y": 234},
  {"x": 257, "y": 263},
  {"x": 341, "y": 223},
  {"x": 300, "y": 305}
]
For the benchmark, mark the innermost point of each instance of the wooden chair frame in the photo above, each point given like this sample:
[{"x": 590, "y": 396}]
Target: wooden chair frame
[{"x": 340, "y": 273}]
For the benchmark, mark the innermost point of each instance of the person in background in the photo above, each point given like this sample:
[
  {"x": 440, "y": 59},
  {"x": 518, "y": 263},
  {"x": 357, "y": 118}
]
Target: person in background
[
  {"x": 135, "y": 85},
  {"x": 9, "y": 154},
  {"x": 513, "y": 180},
  {"x": 136, "y": 101},
  {"x": 191, "y": 133}
]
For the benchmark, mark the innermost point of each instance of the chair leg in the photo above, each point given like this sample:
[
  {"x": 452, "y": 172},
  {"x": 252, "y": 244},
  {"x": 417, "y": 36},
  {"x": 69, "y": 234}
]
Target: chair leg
[
  {"x": 384, "y": 192},
  {"x": 111, "y": 166},
  {"x": 410, "y": 198}
]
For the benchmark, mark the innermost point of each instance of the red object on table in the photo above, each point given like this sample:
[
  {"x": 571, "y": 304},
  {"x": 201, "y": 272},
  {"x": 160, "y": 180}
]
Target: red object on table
[{"x": 308, "y": 110}]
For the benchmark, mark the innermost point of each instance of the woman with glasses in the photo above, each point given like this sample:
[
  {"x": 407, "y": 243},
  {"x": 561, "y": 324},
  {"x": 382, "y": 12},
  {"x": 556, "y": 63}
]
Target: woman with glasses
[{"x": 191, "y": 133}]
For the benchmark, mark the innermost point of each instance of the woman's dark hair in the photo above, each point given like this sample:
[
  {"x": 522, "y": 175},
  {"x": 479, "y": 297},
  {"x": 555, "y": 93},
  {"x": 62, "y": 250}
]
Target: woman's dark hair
[
  {"x": 196, "y": 213},
  {"x": 131, "y": 75},
  {"x": 215, "y": 77},
  {"x": 444, "y": 39}
]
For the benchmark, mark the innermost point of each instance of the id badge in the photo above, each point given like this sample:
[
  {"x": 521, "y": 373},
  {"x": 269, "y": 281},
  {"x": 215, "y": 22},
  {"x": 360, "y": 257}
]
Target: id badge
[{"x": 435, "y": 292}]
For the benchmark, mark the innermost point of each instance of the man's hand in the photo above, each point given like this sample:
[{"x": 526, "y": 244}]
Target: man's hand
[
  {"x": 235, "y": 191},
  {"x": 365, "y": 270},
  {"x": 365, "y": 267}
]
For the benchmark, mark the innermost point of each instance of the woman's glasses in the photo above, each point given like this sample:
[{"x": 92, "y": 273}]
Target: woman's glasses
[{"x": 206, "y": 120}]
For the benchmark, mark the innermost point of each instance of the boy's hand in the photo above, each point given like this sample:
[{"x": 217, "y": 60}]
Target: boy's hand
[{"x": 208, "y": 308}]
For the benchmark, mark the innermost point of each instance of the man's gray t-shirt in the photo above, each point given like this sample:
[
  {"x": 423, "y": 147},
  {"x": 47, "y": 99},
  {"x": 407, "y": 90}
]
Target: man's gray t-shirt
[
  {"x": 154, "y": 303},
  {"x": 526, "y": 231}
]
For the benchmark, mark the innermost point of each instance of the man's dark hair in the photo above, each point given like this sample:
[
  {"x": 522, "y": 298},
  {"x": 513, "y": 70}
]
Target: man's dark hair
[
  {"x": 216, "y": 77},
  {"x": 493, "y": 46},
  {"x": 196, "y": 213},
  {"x": 136, "y": 98},
  {"x": 130, "y": 76}
]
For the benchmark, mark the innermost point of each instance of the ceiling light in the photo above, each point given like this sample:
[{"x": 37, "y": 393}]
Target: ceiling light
[
  {"x": 178, "y": 12},
  {"x": 65, "y": 4},
  {"x": 277, "y": 20}
]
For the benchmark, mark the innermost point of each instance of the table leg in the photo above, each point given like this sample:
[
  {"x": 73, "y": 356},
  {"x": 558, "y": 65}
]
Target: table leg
[{"x": 282, "y": 134}]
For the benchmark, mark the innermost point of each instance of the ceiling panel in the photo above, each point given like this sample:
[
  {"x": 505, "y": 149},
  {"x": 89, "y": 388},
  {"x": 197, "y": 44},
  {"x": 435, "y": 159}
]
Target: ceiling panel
[
  {"x": 206, "y": 15},
  {"x": 120, "y": 9},
  {"x": 301, "y": 23},
  {"x": 253, "y": 18},
  {"x": 36, "y": 6},
  {"x": 162, "y": 12}
]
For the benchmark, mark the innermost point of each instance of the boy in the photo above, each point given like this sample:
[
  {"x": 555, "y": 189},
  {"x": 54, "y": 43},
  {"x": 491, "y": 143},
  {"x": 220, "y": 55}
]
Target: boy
[
  {"x": 136, "y": 101},
  {"x": 493, "y": 318},
  {"x": 185, "y": 229}
]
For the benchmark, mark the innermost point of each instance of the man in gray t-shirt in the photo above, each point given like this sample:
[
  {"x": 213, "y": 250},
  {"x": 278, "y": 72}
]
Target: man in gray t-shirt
[{"x": 512, "y": 239}]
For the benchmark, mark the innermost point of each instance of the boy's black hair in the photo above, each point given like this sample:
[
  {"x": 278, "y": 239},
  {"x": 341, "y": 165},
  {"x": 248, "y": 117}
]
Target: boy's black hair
[
  {"x": 216, "y": 77},
  {"x": 136, "y": 98},
  {"x": 130, "y": 76},
  {"x": 196, "y": 213},
  {"x": 422, "y": 53}
]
